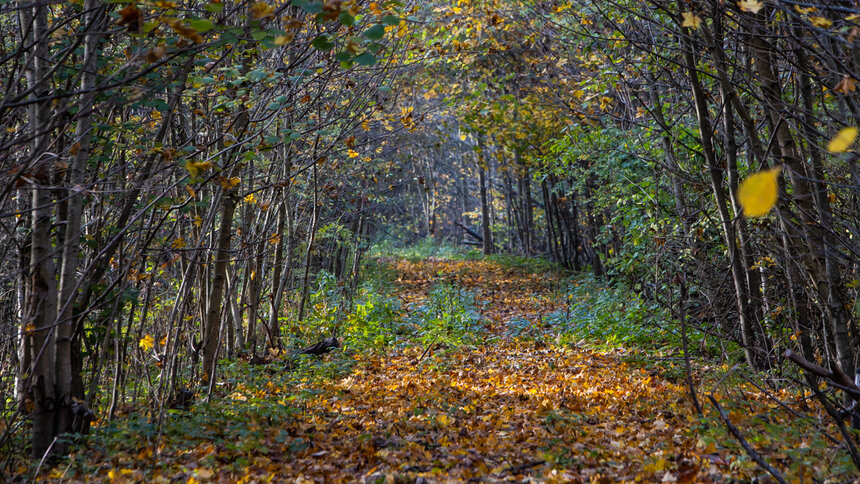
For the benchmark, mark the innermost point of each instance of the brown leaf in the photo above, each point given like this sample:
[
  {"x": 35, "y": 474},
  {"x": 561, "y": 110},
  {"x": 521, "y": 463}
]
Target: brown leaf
[
  {"x": 132, "y": 18},
  {"x": 846, "y": 85}
]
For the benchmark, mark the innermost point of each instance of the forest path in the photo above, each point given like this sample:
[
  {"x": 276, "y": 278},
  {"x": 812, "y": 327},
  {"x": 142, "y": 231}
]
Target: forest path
[{"x": 512, "y": 409}]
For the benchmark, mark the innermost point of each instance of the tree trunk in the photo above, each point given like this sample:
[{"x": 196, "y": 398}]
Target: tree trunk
[
  {"x": 485, "y": 212},
  {"x": 221, "y": 259}
]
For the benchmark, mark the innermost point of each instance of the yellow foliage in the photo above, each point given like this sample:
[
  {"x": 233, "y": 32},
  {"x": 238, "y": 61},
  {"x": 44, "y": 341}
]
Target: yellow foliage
[{"x": 758, "y": 193}]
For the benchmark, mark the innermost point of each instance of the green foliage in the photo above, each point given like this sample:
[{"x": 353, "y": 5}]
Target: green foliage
[
  {"x": 374, "y": 322},
  {"x": 449, "y": 316},
  {"x": 612, "y": 316}
]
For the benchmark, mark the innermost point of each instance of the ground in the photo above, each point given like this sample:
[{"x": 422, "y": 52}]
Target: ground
[{"x": 507, "y": 402}]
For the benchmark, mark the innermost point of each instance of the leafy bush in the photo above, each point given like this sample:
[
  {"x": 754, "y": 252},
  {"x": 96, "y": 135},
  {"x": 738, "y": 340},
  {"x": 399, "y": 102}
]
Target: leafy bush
[
  {"x": 448, "y": 316},
  {"x": 612, "y": 316},
  {"x": 374, "y": 322}
]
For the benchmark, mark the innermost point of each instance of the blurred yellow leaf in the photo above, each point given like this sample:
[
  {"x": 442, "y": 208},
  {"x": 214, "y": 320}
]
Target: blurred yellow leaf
[
  {"x": 752, "y": 6},
  {"x": 261, "y": 9},
  {"x": 821, "y": 22},
  {"x": 691, "y": 20},
  {"x": 758, "y": 193},
  {"x": 147, "y": 342},
  {"x": 843, "y": 140},
  {"x": 284, "y": 39},
  {"x": 196, "y": 167}
]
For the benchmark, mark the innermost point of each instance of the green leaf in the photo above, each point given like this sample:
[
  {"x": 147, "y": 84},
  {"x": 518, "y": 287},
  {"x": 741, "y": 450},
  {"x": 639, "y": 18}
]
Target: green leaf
[
  {"x": 309, "y": 7},
  {"x": 214, "y": 7},
  {"x": 201, "y": 25},
  {"x": 273, "y": 106},
  {"x": 346, "y": 19},
  {"x": 343, "y": 56},
  {"x": 375, "y": 33},
  {"x": 366, "y": 59},
  {"x": 391, "y": 20},
  {"x": 322, "y": 42}
]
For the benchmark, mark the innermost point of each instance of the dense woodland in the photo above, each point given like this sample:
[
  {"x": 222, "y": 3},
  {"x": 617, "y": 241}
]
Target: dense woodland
[{"x": 180, "y": 180}]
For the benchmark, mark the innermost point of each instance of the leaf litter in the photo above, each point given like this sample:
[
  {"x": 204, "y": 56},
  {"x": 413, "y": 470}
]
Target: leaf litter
[{"x": 503, "y": 409}]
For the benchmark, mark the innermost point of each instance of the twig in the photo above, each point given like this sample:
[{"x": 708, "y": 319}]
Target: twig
[
  {"x": 428, "y": 349},
  {"x": 42, "y": 461},
  {"x": 752, "y": 452},
  {"x": 528, "y": 465}
]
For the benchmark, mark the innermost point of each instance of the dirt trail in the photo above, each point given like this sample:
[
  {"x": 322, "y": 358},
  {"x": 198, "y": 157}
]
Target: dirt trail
[{"x": 511, "y": 410}]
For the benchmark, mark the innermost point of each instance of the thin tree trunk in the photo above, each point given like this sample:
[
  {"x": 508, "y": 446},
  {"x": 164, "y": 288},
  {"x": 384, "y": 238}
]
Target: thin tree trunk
[
  {"x": 751, "y": 339},
  {"x": 222, "y": 259}
]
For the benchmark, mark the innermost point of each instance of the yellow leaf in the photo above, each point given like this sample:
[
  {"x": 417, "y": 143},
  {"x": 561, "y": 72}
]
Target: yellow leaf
[
  {"x": 352, "y": 153},
  {"x": 147, "y": 342},
  {"x": 196, "y": 167},
  {"x": 691, "y": 20},
  {"x": 250, "y": 198},
  {"x": 821, "y": 22},
  {"x": 261, "y": 9},
  {"x": 752, "y": 6},
  {"x": 843, "y": 140},
  {"x": 284, "y": 39},
  {"x": 758, "y": 193}
]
